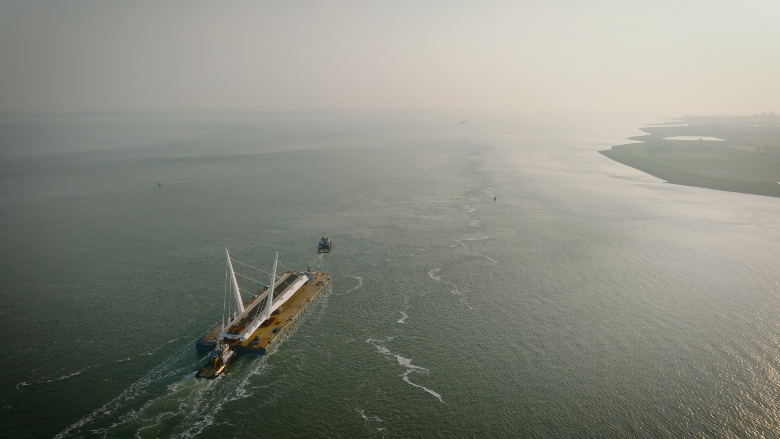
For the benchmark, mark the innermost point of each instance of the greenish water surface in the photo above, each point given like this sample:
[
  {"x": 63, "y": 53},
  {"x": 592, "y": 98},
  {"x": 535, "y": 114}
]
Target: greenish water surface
[{"x": 588, "y": 300}]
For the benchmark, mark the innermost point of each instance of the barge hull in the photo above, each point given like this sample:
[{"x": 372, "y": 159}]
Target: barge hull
[{"x": 272, "y": 330}]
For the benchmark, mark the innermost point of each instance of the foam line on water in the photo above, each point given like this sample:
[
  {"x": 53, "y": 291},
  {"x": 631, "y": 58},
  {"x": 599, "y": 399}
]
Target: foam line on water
[
  {"x": 487, "y": 257},
  {"x": 198, "y": 401},
  {"x": 433, "y": 274},
  {"x": 78, "y": 372},
  {"x": 404, "y": 315},
  {"x": 462, "y": 242},
  {"x": 204, "y": 414},
  {"x": 63, "y": 377},
  {"x": 366, "y": 418},
  {"x": 157, "y": 373},
  {"x": 406, "y": 363},
  {"x": 95, "y": 366},
  {"x": 360, "y": 284}
]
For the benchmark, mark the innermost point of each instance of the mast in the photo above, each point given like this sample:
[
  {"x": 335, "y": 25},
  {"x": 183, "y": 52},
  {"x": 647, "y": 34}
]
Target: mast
[
  {"x": 225, "y": 304},
  {"x": 271, "y": 289},
  {"x": 239, "y": 301}
]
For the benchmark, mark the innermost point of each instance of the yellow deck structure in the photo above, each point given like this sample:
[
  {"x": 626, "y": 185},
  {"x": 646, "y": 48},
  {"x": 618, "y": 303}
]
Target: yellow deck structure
[{"x": 264, "y": 337}]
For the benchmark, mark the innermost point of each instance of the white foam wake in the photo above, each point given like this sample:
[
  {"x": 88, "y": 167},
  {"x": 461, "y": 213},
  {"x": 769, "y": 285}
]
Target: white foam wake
[
  {"x": 462, "y": 242},
  {"x": 204, "y": 409},
  {"x": 404, "y": 315},
  {"x": 488, "y": 258},
  {"x": 366, "y": 418},
  {"x": 93, "y": 366},
  {"x": 162, "y": 371},
  {"x": 406, "y": 363},
  {"x": 78, "y": 372},
  {"x": 455, "y": 291},
  {"x": 360, "y": 284}
]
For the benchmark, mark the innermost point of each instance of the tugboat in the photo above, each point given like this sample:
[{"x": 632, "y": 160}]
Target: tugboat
[
  {"x": 218, "y": 361},
  {"x": 325, "y": 245}
]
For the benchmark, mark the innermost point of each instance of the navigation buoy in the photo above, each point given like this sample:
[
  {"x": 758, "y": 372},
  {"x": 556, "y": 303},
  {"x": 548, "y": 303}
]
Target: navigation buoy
[
  {"x": 494, "y": 198},
  {"x": 159, "y": 184}
]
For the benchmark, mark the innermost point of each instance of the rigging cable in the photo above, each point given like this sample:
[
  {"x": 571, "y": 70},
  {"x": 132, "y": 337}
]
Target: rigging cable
[
  {"x": 246, "y": 277},
  {"x": 287, "y": 268},
  {"x": 258, "y": 269},
  {"x": 224, "y": 298}
]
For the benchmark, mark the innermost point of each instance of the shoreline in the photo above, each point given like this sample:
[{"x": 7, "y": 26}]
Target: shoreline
[
  {"x": 673, "y": 176},
  {"x": 748, "y": 154}
]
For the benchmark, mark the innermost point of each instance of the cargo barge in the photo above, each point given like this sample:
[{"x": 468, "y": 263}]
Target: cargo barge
[{"x": 256, "y": 326}]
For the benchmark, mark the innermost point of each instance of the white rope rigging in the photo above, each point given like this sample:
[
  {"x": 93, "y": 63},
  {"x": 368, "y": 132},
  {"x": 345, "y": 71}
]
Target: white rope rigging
[
  {"x": 224, "y": 299},
  {"x": 258, "y": 269},
  {"x": 283, "y": 266},
  {"x": 226, "y": 305},
  {"x": 246, "y": 292},
  {"x": 247, "y": 277}
]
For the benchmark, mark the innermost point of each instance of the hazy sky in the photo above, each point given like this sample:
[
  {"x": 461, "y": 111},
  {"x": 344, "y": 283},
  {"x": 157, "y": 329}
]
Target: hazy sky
[{"x": 674, "y": 56}]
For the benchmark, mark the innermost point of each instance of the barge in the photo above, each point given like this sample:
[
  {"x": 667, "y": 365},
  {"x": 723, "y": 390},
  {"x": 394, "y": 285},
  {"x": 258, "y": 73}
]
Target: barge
[{"x": 254, "y": 327}]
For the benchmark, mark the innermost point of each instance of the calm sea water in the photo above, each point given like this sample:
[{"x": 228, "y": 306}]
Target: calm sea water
[{"x": 589, "y": 300}]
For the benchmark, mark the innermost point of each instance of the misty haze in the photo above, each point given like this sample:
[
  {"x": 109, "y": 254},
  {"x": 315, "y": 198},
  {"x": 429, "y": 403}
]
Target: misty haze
[{"x": 399, "y": 219}]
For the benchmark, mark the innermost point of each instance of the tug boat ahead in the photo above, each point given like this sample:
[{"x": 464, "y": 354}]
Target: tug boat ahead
[{"x": 325, "y": 245}]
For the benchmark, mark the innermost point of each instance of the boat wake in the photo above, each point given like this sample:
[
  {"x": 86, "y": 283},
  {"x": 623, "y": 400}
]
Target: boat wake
[
  {"x": 64, "y": 377},
  {"x": 94, "y": 366},
  {"x": 205, "y": 406},
  {"x": 173, "y": 403},
  {"x": 168, "y": 400},
  {"x": 76, "y": 373},
  {"x": 213, "y": 395},
  {"x": 164, "y": 370},
  {"x": 407, "y": 364}
]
